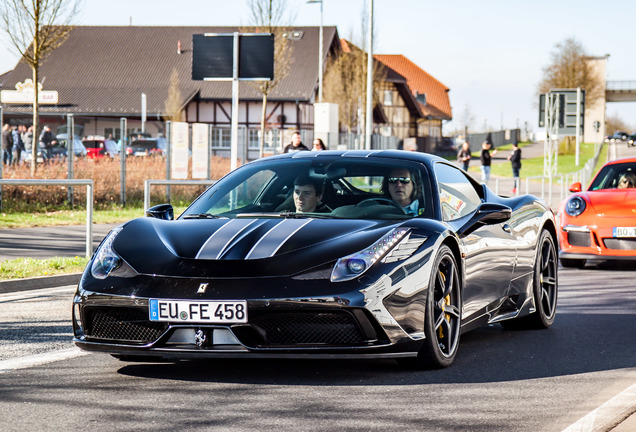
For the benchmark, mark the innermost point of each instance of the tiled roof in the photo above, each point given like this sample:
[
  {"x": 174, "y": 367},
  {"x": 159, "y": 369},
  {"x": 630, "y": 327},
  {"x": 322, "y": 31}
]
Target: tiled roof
[
  {"x": 437, "y": 100},
  {"x": 102, "y": 70}
]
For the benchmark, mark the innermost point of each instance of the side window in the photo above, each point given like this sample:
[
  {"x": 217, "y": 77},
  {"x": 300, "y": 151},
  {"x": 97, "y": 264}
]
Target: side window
[{"x": 457, "y": 194}]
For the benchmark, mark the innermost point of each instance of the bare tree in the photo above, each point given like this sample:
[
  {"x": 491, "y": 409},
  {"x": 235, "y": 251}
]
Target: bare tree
[
  {"x": 569, "y": 69},
  {"x": 615, "y": 123},
  {"x": 173, "y": 104},
  {"x": 346, "y": 84},
  {"x": 269, "y": 16},
  {"x": 35, "y": 28}
]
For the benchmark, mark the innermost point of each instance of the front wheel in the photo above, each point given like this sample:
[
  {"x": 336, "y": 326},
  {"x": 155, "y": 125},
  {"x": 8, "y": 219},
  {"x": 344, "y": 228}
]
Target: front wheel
[{"x": 442, "y": 322}]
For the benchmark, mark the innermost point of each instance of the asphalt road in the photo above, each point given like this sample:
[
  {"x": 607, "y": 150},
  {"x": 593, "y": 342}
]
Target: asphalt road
[
  {"x": 501, "y": 380},
  {"x": 47, "y": 242}
]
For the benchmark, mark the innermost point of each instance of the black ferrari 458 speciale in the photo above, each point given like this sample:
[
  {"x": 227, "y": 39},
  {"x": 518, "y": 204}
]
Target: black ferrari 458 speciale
[{"x": 350, "y": 254}]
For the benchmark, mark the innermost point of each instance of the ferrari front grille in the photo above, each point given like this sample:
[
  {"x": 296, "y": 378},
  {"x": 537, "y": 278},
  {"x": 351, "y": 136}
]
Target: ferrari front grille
[
  {"x": 121, "y": 324},
  {"x": 307, "y": 328},
  {"x": 620, "y": 244}
]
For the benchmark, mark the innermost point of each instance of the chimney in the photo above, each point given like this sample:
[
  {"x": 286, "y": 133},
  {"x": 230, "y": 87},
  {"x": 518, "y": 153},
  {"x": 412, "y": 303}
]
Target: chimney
[{"x": 178, "y": 47}]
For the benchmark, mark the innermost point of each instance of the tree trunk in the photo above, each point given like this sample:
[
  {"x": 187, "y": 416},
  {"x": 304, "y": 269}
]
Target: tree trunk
[{"x": 36, "y": 136}]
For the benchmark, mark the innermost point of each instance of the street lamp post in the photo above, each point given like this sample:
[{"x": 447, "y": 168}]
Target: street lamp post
[{"x": 320, "y": 53}]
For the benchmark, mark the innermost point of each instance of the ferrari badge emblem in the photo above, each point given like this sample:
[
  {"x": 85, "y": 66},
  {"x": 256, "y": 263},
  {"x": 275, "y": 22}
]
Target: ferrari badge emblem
[{"x": 202, "y": 288}]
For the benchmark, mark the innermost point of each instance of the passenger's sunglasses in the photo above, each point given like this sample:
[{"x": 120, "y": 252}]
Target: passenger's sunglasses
[{"x": 403, "y": 180}]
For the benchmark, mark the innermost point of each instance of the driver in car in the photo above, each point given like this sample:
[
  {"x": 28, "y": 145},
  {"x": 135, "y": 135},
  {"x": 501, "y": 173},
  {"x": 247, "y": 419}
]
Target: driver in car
[
  {"x": 627, "y": 180},
  {"x": 400, "y": 183},
  {"x": 307, "y": 195}
]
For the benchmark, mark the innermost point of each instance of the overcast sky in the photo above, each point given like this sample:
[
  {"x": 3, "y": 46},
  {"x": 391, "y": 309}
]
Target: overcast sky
[{"x": 490, "y": 53}]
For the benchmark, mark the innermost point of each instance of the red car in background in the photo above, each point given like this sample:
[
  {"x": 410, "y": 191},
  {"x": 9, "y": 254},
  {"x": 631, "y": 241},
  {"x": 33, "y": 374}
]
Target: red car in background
[
  {"x": 98, "y": 147},
  {"x": 600, "y": 223}
]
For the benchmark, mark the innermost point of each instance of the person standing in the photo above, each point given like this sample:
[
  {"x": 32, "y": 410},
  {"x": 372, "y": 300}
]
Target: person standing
[
  {"x": 18, "y": 145},
  {"x": 7, "y": 145},
  {"x": 318, "y": 145},
  {"x": 515, "y": 161},
  {"x": 464, "y": 156},
  {"x": 47, "y": 140},
  {"x": 295, "y": 145},
  {"x": 486, "y": 159},
  {"x": 27, "y": 139}
]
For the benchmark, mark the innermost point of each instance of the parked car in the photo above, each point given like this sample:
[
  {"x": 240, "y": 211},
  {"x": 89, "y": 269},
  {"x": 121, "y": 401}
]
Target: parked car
[
  {"x": 241, "y": 273},
  {"x": 98, "y": 147},
  {"x": 598, "y": 223},
  {"x": 147, "y": 147},
  {"x": 60, "y": 149}
]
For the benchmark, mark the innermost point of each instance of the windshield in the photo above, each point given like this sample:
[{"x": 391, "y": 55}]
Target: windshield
[
  {"x": 615, "y": 176},
  {"x": 338, "y": 187}
]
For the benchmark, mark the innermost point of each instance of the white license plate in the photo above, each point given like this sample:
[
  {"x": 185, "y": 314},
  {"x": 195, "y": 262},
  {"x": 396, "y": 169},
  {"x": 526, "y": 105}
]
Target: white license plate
[
  {"x": 624, "y": 232},
  {"x": 211, "y": 312}
]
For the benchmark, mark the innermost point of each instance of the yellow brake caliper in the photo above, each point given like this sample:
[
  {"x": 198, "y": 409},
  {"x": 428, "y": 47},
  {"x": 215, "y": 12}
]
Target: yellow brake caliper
[{"x": 446, "y": 302}]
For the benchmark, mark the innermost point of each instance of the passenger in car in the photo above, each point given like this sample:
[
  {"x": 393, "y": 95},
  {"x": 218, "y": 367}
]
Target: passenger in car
[
  {"x": 627, "y": 180},
  {"x": 308, "y": 195},
  {"x": 402, "y": 187}
]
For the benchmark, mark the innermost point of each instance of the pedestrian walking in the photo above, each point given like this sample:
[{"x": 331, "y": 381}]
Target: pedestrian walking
[
  {"x": 515, "y": 161},
  {"x": 463, "y": 156},
  {"x": 486, "y": 159}
]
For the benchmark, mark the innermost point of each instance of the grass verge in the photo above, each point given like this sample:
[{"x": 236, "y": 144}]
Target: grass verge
[{"x": 30, "y": 267}]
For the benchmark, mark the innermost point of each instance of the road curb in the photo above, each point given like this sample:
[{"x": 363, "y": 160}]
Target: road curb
[{"x": 14, "y": 285}]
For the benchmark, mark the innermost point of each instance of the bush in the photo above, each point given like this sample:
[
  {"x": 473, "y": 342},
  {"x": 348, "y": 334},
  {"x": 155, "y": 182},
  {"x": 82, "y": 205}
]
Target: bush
[{"x": 105, "y": 174}]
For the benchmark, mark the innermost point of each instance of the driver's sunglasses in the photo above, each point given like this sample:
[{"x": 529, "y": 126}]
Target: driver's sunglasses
[{"x": 403, "y": 180}]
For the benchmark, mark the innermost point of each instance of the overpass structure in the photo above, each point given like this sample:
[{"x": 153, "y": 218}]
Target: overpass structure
[{"x": 620, "y": 91}]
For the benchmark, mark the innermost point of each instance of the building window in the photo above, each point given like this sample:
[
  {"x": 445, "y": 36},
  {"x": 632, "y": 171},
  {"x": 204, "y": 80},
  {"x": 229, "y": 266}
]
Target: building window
[{"x": 388, "y": 98}]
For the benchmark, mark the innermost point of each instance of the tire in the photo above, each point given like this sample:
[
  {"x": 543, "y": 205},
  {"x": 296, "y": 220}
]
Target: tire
[
  {"x": 545, "y": 288},
  {"x": 442, "y": 320},
  {"x": 572, "y": 262}
]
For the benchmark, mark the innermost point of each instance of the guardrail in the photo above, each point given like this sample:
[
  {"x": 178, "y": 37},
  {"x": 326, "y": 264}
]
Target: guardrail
[
  {"x": 148, "y": 183},
  {"x": 62, "y": 182}
]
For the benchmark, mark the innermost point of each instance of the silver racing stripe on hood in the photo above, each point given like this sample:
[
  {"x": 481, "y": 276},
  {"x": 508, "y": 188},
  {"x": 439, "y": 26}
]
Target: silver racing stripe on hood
[
  {"x": 218, "y": 242},
  {"x": 276, "y": 237}
]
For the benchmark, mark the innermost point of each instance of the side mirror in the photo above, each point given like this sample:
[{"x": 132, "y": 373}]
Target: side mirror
[
  {"x": 576, "y": 187},
  {"x": 161, "y": 211},
  {"x": 486, "y": 214}
]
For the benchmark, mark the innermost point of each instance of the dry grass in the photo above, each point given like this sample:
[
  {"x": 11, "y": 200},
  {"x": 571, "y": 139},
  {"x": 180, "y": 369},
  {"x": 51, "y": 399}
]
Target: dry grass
[{"x": 106, "y": 176}]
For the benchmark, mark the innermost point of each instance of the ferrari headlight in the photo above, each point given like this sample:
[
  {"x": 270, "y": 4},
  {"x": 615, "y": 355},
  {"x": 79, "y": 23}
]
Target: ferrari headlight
[
  {"x": 106, "y": 260},
  {"x": 356, "y": 264},
  {"x": 575, "y": 206}
]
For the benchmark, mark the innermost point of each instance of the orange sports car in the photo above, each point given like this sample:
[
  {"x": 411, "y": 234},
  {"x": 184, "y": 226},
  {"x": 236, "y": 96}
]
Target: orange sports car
[{"x": 600, "y": 223}]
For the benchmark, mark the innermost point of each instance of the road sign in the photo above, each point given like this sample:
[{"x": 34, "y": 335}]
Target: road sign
[
  {"x": 571, "y": 108},
  {"x": 212, "y": 56}
]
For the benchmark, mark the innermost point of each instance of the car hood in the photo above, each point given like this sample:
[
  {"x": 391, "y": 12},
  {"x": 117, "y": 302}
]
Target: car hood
[
  {"x": 238, "y": 247},
  {"x": 613, "y": 202}
]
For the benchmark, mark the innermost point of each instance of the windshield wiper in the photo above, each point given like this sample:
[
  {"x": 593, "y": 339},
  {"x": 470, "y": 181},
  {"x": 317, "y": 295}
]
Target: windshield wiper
[{"x": 202, "y": 216}]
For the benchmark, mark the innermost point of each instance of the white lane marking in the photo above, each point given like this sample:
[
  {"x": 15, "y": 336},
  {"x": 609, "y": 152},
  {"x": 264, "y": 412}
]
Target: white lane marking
[
  {"x": 39, "y": 359},
  {"x": 35, "y": 293},
  {"x": 614, "y": 410}
]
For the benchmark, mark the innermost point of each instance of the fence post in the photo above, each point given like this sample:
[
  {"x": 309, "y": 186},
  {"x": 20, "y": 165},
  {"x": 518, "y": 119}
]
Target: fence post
[
  {"x": 123, "y": 128},
  {"x": 70, "y": 150},
  {"x": 89, "y": 219}
]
